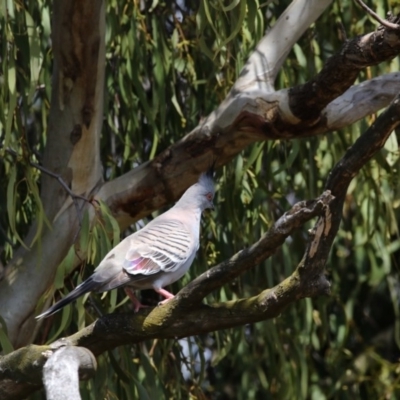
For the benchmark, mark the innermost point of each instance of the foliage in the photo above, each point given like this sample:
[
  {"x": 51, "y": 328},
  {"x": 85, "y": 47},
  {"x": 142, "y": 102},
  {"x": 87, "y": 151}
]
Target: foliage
[{"x": 168, "y": 65}]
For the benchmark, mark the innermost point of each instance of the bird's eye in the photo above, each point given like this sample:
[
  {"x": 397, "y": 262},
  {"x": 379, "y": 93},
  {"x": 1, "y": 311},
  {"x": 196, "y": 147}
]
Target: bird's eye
[{"x": 209, "y": 196}]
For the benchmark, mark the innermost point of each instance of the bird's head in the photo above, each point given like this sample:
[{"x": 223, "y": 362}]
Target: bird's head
[{"x": 201, "y": 194}]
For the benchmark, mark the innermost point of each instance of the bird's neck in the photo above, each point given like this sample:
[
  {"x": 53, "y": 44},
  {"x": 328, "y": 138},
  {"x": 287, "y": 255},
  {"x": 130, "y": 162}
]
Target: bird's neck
[
  {"x": 188, "y": 209},
  {"x": 187, "y": 204}
]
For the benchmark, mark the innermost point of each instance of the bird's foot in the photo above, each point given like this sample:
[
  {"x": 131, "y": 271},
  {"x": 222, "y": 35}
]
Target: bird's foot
[
  {"x": 165, "y": 301},
  {"x": 137, "y": 305},
  {"x": 168, "y": 296}
]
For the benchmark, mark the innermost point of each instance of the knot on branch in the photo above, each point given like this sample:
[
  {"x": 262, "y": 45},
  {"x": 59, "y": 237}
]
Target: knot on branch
[
  {"x": 316, "y": 285},
  {"x": 320, "y": 230}
]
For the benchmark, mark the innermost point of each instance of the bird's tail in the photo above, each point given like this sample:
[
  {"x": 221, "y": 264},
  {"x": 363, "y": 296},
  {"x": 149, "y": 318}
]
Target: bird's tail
[{"x": 85, "y": 287}]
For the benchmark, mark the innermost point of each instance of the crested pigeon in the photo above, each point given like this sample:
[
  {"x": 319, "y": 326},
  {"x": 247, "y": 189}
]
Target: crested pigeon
[{"x": 155, "y": 256}]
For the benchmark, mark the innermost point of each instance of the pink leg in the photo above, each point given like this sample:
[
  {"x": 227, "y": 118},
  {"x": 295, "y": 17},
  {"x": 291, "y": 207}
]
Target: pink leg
[
  {"x": 137, "y": 305},
  {"x": 168, "y": 296}
]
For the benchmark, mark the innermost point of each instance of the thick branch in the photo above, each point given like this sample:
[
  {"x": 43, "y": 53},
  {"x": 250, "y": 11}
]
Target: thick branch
[
  {"x": 250, "y": 116},
  {"x": 340, "y": 71},
  {"x": 24, "y": 366},
  {"x": 148, "y": 187},
  {"x": 21, "y": 371},
  {"x": 266, "y": 60},
  {"x": 359, "y": 101}
]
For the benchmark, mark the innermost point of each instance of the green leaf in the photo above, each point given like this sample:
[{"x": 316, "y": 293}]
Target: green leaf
[
  {"x": 65, "y": 319},
  {"x": 84, "y": 233},
  {"x": 12, "y": 103},
  {"x": 66, "y": 266},
  {"x": 238, "y": 25},
  {"x": 5, "y": 343},
  {"x": 11, "y": 203},
  {"x": 111, "y": 222},
  {"x": 35, "y": 54}
]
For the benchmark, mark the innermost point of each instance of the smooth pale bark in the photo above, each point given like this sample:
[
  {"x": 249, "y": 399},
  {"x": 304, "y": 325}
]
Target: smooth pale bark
[
  {"x": 264, "y": 63},
  {"x": 61, "y": 372},
  {"x": 72, "y": 151},
  {"x": 146, "y": 188}
]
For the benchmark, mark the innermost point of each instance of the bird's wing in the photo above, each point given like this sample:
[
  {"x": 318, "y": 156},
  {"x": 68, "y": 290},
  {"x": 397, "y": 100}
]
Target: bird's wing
[{"x": 162, "y": 246}]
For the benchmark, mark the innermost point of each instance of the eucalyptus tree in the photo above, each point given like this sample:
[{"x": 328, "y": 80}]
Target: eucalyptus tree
[{"x": 110, "y": 110}]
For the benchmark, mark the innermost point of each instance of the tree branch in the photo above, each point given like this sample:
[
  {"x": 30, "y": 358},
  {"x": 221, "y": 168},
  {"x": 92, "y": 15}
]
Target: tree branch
[
  {"x": 375, "y": 16},
  {"x": 323, "y": 104},
  {"x": 266, "y": 60},
  {"x": 155, "y": 184},
  {"x": 228, "y": 270},
  {"x": 340, "y": 71}
]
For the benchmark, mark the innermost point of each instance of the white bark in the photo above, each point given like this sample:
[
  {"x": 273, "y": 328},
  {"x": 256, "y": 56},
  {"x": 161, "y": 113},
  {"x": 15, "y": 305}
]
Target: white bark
[
  {"x": 61, "y": 372},
  {"x": 356, "y": 103},
  {"x": 361, "y": 100},
  {"x": 266, "y": 60}
]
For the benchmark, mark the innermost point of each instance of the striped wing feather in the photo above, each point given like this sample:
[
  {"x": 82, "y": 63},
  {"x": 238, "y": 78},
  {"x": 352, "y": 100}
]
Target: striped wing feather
[{"x": 164, "y": 246}]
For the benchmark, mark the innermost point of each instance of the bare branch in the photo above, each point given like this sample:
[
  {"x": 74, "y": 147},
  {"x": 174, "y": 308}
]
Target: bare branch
[
  {"x": 60, "y": 180},
  {"x": 359, "y": 101},
  {"x": 155, "y": 184},
  {"x": 375, "y": 16},
  {"x": 166, "y": 321},
  {"x": 266, "y": 60},
  {"x": 340, "y": 71}
]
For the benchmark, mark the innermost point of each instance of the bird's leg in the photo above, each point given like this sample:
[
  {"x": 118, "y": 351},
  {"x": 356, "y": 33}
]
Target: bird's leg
[
  {"x": 137, "y": 305},
  {"x": 168, "y": 296}
]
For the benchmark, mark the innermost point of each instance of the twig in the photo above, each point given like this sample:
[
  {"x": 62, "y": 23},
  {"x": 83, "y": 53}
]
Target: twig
[
  {"x": 74, "y": 197},
  {"x": 53, "y": 175},
  {"x": 375, "y": 16},
  {"x": 342, "y": 32}
]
